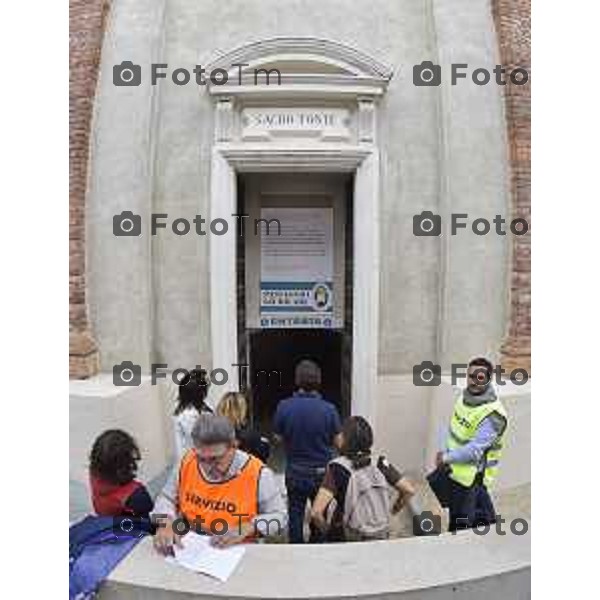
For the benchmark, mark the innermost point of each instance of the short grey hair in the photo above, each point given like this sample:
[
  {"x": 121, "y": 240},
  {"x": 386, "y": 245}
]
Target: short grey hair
[
  {"x": 212, "y": 429},
  {"x": 307, "y": 375}
]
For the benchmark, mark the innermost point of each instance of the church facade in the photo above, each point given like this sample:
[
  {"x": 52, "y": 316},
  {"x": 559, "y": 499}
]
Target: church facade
[{"x": 195, "y": 126}]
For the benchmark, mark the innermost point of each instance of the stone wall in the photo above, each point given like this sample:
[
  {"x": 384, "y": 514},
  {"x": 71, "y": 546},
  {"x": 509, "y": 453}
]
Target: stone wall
[
  {"x": 513, "y": 23},
  {"x": 441, "y": 148},
  {"x": 186, "y": 118}
]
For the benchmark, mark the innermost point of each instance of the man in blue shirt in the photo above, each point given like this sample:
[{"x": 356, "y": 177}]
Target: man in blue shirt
[{"x": 310, "y": 427}]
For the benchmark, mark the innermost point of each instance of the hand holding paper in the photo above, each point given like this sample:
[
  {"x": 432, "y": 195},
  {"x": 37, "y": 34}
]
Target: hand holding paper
[{"x": 198, "y": 554}]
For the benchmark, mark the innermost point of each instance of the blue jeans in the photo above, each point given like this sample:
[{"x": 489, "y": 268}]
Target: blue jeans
[
  {"x": 302, "y": 485},
  {"x": 470, "y": 507}
]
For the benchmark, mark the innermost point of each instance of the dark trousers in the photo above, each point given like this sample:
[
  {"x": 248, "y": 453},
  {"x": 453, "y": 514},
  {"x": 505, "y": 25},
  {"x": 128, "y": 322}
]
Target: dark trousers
[
  {"x": 470, "y": 507},
  {"x": 302, "y": 485}
]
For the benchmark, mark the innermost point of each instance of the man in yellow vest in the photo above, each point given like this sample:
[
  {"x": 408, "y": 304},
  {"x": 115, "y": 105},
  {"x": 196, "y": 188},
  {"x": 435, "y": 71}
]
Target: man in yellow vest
[
  {"x": 473, "y": 448},
  {"x": 218, "y": 490}
]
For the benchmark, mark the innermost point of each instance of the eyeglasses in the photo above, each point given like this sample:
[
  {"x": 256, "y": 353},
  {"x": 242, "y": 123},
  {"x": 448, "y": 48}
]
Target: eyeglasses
[{"x": 211, "y": 457}]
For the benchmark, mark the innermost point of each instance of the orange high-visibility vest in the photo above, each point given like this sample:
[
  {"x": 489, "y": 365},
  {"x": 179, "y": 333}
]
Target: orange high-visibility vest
[{"x": 218, "y": 502}]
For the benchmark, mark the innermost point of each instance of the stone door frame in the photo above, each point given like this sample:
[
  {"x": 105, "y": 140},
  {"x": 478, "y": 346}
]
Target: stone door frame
[
  {"x": 334, "y": 74},
  {"x": 226, "y": 164}
]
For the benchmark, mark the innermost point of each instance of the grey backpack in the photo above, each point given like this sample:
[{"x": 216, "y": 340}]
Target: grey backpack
[{"x": 367, "y": 506}]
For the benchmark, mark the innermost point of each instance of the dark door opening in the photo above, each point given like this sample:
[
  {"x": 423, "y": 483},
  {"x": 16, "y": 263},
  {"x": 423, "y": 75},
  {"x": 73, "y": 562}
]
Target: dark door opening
[{"x": 274, "y": 355}]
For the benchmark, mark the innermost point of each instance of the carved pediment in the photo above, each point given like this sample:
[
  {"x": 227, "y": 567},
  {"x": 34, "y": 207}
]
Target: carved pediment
[{"x": 299, "y": 66}]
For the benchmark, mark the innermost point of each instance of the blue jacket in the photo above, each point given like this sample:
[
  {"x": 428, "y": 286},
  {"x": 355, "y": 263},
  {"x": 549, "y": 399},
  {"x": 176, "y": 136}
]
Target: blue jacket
[{"x": 96, "y": 546}]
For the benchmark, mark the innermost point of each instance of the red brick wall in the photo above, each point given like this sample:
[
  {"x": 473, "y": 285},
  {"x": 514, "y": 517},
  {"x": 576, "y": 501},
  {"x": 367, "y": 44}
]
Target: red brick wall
[
  {"x": 513, "y": 24},
  {"x": 86, "y": 20}
]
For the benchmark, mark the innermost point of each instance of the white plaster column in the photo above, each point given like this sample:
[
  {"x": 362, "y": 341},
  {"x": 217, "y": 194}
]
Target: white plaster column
[
  {"x": 223, "y": 302},
  {"x": 366, "y": 288},
  {"x": 473, "y": 156},
  {"x": 121, "y": 178}
]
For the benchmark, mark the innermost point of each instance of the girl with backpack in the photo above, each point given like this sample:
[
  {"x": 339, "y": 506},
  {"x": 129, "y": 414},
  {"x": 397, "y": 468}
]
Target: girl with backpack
[{"x": 353, "y": 502}]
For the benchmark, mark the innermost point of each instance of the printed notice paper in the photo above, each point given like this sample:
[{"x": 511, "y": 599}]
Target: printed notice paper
[
  {"x": 296, "y": 268},
  {"x": 198, "y": 555},
  {"x": 303, "y": 250}
]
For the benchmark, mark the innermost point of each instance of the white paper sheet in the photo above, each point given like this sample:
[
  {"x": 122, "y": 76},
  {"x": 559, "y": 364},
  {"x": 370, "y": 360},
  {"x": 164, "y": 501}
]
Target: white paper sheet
[{"x": 198, "y": 555}]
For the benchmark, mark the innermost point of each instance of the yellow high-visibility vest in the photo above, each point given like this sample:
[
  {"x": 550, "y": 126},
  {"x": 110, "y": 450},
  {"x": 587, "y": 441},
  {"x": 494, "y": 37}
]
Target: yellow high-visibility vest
[{"x": 463, "y": 427}]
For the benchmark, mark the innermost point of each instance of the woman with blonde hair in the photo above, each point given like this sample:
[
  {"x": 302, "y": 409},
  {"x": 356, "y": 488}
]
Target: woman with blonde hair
[{"x": 234, "y": 406}]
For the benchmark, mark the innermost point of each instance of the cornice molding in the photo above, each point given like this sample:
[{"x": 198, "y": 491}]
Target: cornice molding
[
  {"x": 274, "y": 159},
  {"x": 344, "y": 69}
]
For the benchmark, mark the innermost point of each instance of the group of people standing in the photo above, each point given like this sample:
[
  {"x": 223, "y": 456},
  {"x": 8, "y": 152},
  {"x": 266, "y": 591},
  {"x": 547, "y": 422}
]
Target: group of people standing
[
  {"x": 312, "y": 433},
  {"x": 221, "y": 485}
]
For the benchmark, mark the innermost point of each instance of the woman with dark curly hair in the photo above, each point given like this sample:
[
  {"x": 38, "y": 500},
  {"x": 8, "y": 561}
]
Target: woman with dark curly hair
[{"x": 113, "y": 466}]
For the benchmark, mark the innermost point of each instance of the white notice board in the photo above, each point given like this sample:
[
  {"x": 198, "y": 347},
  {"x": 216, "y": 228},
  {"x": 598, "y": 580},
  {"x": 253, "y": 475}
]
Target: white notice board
[{"x": 296, "y": 283}]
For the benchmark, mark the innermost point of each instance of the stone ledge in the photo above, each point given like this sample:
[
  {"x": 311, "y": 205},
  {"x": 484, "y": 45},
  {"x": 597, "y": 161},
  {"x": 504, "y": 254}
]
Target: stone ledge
[
  {"x": 434, "y": 567},
  {"x": 102, "y": 385}
]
